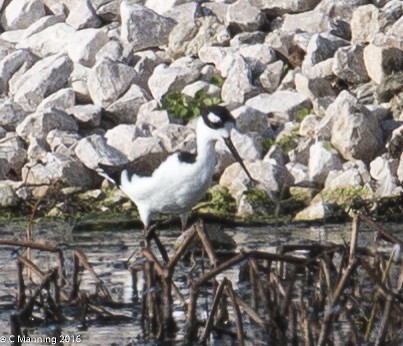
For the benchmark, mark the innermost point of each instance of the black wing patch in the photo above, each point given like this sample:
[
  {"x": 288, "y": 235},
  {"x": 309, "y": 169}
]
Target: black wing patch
[
  {"x": 186, "y": 157},
  {"x": 146, "y": 165}
]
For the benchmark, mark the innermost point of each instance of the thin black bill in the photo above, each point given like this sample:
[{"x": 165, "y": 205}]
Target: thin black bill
[{"x": 233, "y": 151}]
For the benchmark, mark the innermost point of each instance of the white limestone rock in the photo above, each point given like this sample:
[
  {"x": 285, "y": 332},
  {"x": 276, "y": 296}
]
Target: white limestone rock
[
  {"x": 52, "y": 40},
  {"x": 322, "y": 160},
  {"x": 400, "y": 170},
  {"x": 82, "y": 15},
  {"x": 125, "y": 109},
  {"x": 37, "y": 149},
  {"x": 143, "y": 28},
  {"x": 41, "y": 123},
  {"x": 382, "y": 61},
  {"x": 176, "y": 137},
  {"x": 237, "y": 86},
  {"x": 281, "y": 7},
  {"x": 355, "y": 132},
  {"x": 312, "y": 22},
  {"x": 93, "y": 149},
  {"x": 271, "y": 76},
  {"x": 122, "y": 137},
  {"x": 108, "y": 80},
  {"x": 144, "y": 146},
  {"x": 282, "y": 105},
  {"x": 342, "y": 179},
  {"x": 349, "y": 64},
  {"x": 87, "y": 116},
  {"x": 11, "y": 115},
  {"x": 43, "y": 78},
  {"x": 309, "y": 125},
  {"x": 161, "y": 7},
  {"x": 85, "y": 44},
  {"x": 243, "y": 16},
  {"x": 150, "y": 114},
  {"x": 11, "y": 64},
  {"x": 384, "y": 171},
  {"x": 364, "y": 23},
  {"x": 63, "y": 142},
  {"x": 174, "y": 77},
  {"x": 61, "y": 99},
  {"x": 298, "y": 171},
  {"x": 20, "y": 14},
  {"x": 78, "y": 82},
  {"x": 55, "y": 168},
  {"x": 251, "y": 120},
  {"x": 12, "y": 148},
  {"x": 210, "y": 90},
  {"x": 395, "y": 143},
  {"x": 8, "y": 197},
  {"x": 248, "y": 145}
]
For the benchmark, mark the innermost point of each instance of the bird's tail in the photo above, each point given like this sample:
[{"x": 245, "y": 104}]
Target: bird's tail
[{"x": 111, "y": 173}]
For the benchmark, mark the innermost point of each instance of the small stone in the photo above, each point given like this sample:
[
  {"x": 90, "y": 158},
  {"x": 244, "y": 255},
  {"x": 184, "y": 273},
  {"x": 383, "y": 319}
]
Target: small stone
[
  {"x": 270, "y": 78},
  {"x": 94, "y": 149},
  {"x": 87, "y": 116},
  {"x": 62, "y": 142},
  {"x": 242, "y": 16},
  {"x": 349, "y": 64},
  {"x": 11, "y": 115},
  {"x": 82, "y": 15},
  {"x": 61, "y": 99},
  {"x": 322, "y": 160}
]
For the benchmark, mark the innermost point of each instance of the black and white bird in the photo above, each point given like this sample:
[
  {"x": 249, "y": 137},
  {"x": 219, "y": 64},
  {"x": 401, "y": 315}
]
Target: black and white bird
[{"x": 175, "y": 185}]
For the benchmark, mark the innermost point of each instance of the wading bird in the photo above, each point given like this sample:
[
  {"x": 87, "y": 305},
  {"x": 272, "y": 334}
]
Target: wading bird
[{"x": 175, "y": 185}]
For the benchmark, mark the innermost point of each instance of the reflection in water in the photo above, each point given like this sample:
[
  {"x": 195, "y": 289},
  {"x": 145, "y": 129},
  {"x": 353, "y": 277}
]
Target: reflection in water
[{"x": 108, "y": 250}]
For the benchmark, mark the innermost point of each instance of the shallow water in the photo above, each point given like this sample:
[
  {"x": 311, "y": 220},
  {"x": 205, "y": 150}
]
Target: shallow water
[{"x": 107, "y": 250}]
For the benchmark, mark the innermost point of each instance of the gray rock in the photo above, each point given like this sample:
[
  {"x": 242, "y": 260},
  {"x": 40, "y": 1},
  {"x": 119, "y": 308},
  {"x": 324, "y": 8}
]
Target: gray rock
[
  {"x": 61, "y": 99},
  {"x": 174, "y": 77},
  {"x": 283, "y": 105},
  {"x": 94, "y": 149},
  {"x": 176, "y": 137},
  {"x": 20, "y": 14},
  {"x": 277, "y": 154},
  {"x": 364, "y": 23},
  {"x": 250, "y": 120},
  {"x": 316, "y": 211},
  {"x": 143, "y": 146},
  {"x": 309, "y": 125},
  {"x": 11, "y": 64},
  {"x": 323, "y": 69},
  {"x": 57, "y": 168},
  {"x": 355, "y": 132},
  {"x": 84, "y": 45},
  {"x": 4, "y": 168},
  {"x": 258, "y": 56},
  {"x": 381, "y": 61},
  {"x": 12, "y": 148},
  {"x": 221, "y": 57},
  {"x": 150, "y": 114},
  {"x": 78, "y": 82},
  {"x": 271, "y": 76},
  {"x": 184, "y": 12},
  {"x": 298, "y": 171},
  {"x": 322, "y": 47},
  {"x": 400, "y": 169},
  {"x": 342, "y": 179},
  {"x": 238, "y": 84},
  {"x": 395, "y": 144},
  {"x": 280, "y": 7},
  {"x": 125, "y": 109},
  {"x": 41, "y": 123},
  {"x": 210, "y": 90},
  {"x": 314, "y": 21},
  {"x": 87, "y": 116},
  {"x": 143, "y": 28},
  {"x": 44, "y": 78},
  {"x": 63, "y": 142},
  {"x": 11, "y": 115},
  {"x": 82, "y": 15},
  {"x": 122, "y": 137},
  {"x": 242, "y": 16},
  {"x": 108, "y": 80},
  {"x": 37, "y": 149},
  {"x": 52, "y": 40},
  {"x": 161, "y": 7},
  {"x": 8, "y": 197},
  {"x": 189, "y": 36},
  {"x": 322, "y": 160},
  {"x": 301, "y": 153},
  {"x": 41, "y": 24},
  {"x": 248, "y": 145},
  {"x": 384, "y": 171},
  {"x": 349, "y": 64},
  {"x": 244, "y": 38}
]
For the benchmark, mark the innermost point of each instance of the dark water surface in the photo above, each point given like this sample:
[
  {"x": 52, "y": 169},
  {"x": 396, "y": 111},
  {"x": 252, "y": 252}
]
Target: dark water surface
[{"x": 107, "y": 250}]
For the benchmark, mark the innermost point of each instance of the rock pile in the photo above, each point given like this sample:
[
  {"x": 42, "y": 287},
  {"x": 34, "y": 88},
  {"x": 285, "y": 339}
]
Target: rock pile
[{"x": 316, "y": 87}]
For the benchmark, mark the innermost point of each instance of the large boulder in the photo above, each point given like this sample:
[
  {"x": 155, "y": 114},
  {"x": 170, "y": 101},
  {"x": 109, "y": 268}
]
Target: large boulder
[
  {"x": 354, "y": 130},
  {"x": 42, "y": 79},
  {"x": 108, "y": 80},
  {"x": 39, "y": 124}
]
